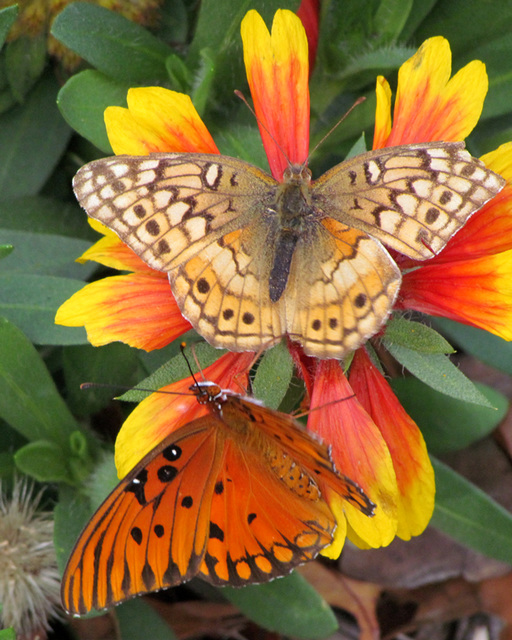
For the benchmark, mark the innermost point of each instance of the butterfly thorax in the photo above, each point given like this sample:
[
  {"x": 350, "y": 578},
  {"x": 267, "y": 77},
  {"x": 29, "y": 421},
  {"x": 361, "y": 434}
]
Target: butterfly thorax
[{"x": 294, "y": 213}]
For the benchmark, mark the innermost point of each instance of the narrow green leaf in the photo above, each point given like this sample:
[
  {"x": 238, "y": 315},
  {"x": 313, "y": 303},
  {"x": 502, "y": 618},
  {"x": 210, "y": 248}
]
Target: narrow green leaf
[
  {"x": 83, "y": 100},
  {"x": 33, "y": 137},
  {"x": 31, "y": 302},
  {"x": 45, "y": 215},
  {"x": 115, "y": 364},
  {"x": 273, "y": 376},
  {"x": 137, "y": 619},
  {"x": 44, "y": 461},
  {"x": 203, "y": 81},
  {"x": 288, "y": 605},
  {"x": 390, "y": 18},
  {"x": 175, "y": 369},
  {"x": 70, "y": 515},
  {"x": 485, "y": 346},
  {"x": 416, "y": 336},
  {"x": 465, "y": 35},
  {"x": 113, "y": 44},
  {"x": 7, "y": 19},
  {"x": 29, "y": 401},
  {"x": 470, "y": 516},
  {"x": 45, "y": 254},
  {"x": 25, "y": 59},
  {"x": 446, "y": 423},
  {"x": 436, "y": 370}
]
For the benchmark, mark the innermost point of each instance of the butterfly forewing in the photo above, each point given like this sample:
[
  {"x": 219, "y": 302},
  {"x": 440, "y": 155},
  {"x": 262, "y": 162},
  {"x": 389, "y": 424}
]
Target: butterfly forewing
[
  {"x": 413, "y": 198},
  {"x": 148, "y": 534},
  {"x": 260, "y": 527}
]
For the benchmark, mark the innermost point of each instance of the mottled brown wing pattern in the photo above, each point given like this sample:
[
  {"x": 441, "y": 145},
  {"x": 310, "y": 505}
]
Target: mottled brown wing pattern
[
  {"x": 346, "y": 293},
  {"x": 413, "y": 198},
  {"x": 170, "y": 207},
  {"x": 250, "y": 259}
]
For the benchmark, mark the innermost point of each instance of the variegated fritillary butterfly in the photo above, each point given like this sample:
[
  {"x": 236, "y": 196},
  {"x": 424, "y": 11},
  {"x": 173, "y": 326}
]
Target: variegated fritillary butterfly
[
  {"x": 250, "y": 259},
  {"x": 234, "y": 497}
]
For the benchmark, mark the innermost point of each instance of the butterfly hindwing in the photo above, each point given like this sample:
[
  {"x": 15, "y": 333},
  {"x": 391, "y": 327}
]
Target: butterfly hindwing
[
  {"x": 301, "y": 447},
  {"x": 151, "y": 531},
  {"x": 260, "y": 527},
  {"x": 346, "y": 294},
  {"x": 413, "y": 198}
]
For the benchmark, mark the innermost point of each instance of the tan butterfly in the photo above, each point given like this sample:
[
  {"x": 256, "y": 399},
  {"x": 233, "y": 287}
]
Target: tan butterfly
[
  {"x": 234, "y": 497},
  {"x": 251, "y": 259}
]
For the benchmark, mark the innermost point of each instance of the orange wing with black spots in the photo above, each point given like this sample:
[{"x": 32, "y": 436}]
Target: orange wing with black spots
[{"x": 233, "y": 497}]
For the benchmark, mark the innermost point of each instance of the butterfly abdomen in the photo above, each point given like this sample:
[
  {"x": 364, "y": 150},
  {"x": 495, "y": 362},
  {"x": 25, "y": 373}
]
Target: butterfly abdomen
[{"x": 295, "y": 478}]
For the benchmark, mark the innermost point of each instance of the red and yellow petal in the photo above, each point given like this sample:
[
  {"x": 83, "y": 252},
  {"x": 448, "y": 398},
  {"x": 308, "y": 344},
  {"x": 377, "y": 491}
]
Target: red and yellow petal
[
  {"x": 161, "y": 414},
  {"x": 309, "y": 14},
  {"x": 111, "y": 252},
  {"x": 137, "y": 309},
  {"x": 475, "y": 291},
  {"x": 277, "y": 72},
  {"x": 429, "y": 105},
  {"x": 382, "y": 113},
  {"x": 358, "y": 450},
  {"x": 414, "y": 473},
  {"x": 157, "y": 120}
]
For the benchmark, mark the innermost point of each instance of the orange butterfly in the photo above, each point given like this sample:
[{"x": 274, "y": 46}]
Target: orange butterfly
[{"x": 233, "y": 497}]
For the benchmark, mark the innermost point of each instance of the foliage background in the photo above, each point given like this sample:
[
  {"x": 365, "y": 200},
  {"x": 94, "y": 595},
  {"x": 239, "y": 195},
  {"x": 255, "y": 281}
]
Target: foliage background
[{"x": 51, "y": 123}]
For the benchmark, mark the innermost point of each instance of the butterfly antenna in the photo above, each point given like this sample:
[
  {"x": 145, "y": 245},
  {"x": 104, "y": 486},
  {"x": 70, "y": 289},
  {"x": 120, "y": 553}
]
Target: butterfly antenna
[
  {"x": 326, "y": 404},
  {"x": 343, "y": 117},
  {"x": 121, "y": 387},
  {"x": 182, "y": 349},
  {"x": 240, "y": 95}
]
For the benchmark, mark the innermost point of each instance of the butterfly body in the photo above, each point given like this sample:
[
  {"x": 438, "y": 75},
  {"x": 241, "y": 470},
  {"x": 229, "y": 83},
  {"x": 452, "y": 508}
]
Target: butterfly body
[
  {"x": 235, "y": 497},
  {"x": 250, "y": 259}
]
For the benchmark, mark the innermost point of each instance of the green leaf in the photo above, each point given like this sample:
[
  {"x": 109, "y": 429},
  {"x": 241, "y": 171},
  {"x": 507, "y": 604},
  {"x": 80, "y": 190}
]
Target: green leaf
[
  {"x": 203, "y": 81},
  {"x": 29, "y": 401},
  {"x": 7, "y": 634},
  {"x": 115, "y": 364},
  {"x": 466, "y": 35},
  {"x": 493, "y": 52},
  {"x": 416, "y": 336},
  {"x": 33, "y": 137},
  {"x": 390, "y": 18},
  {"x": 470, "y": 516},
  {"x": 273, "y": 376},
  {"x": 5, "y": 250},
  {"x": 287, "y": 605},
  {"x": 436, "y": 370},
  {"x": 137, "y": 619},
  {"x": 45, "y": 215},
  {"x": 83, "y": 100},
  {"x": 7, "y": 19},
  {"x": 175, "y": 369},
  {"x": 70, "y": 515},
  {"x": 448, "y": 424},
  {"x": 485, "y": 346},
  {"x": 31, "y": 302},
  {"x": 44, "y": 461},
  {"x": 45, "y": 254},
  {"x": 113, "y": 44},
  {"x": 25, "y": 59}
]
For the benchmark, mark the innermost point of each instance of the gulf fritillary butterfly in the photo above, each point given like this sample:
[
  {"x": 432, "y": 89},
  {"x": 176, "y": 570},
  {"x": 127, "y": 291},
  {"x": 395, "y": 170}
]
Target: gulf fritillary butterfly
[{"x": 233, "y": 497}]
